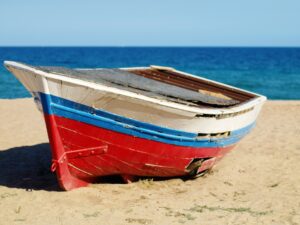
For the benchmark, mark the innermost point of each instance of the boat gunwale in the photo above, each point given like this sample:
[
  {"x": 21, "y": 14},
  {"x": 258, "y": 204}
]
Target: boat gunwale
[{"x": 257, "y": 99}]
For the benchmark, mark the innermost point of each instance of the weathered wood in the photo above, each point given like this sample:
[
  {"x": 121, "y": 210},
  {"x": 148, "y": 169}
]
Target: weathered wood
[{"x": 148, "y": 86}]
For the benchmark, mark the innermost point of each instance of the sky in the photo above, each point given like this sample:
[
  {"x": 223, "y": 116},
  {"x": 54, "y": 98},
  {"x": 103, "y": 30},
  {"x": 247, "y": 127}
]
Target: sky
[{"x": 150, "y": 23}]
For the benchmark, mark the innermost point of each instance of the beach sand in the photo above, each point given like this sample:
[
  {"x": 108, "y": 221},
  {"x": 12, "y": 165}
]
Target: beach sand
[{"x": 257, "y": 183}]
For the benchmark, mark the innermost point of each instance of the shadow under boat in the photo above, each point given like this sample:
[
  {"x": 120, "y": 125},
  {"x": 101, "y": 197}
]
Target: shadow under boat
[{"x": 27, "y": 167}]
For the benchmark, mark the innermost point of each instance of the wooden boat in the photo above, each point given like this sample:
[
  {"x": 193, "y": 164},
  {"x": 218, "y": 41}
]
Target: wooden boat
[{"x": 143, "y": 121}]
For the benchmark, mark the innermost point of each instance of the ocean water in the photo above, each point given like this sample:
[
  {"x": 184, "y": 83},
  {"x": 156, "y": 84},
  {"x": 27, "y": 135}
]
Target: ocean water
[{"x": 273, "y": 72}]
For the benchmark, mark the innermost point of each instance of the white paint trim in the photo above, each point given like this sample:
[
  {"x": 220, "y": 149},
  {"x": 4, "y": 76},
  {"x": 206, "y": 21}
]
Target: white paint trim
[{"x": 101, "y": 87}]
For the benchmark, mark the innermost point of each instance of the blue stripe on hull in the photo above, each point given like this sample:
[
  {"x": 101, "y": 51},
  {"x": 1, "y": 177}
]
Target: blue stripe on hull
[{"x": 72, "y": 110}]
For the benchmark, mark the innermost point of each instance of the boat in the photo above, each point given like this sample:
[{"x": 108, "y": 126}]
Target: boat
[{"x": 136, "y": 122}]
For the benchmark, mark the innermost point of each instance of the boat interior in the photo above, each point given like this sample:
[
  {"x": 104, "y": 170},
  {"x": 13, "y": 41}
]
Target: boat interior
[{"x": 162, "y": 83}]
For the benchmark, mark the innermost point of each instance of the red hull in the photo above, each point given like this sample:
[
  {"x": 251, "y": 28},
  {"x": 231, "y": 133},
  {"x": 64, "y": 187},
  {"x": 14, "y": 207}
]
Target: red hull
[{"x": 82, "y": 152}]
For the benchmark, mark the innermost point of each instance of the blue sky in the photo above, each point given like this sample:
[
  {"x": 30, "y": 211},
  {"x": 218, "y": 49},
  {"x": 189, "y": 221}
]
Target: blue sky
[{"x": 150, "y": 23}]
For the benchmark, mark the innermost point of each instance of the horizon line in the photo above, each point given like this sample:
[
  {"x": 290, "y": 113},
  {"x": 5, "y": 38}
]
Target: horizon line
[{"x": 146, "y": 46}]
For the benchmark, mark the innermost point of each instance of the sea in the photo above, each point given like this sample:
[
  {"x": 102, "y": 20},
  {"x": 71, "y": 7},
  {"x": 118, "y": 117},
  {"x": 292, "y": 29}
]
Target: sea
[{"x": 273, "y": 72}]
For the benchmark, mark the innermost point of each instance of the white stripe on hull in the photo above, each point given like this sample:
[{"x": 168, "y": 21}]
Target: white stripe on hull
[{"x": 137, "y": 108}]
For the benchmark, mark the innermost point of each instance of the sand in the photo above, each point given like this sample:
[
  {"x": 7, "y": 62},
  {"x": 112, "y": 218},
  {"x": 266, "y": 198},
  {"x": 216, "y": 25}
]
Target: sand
[{"x": 257, "y": 183}]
